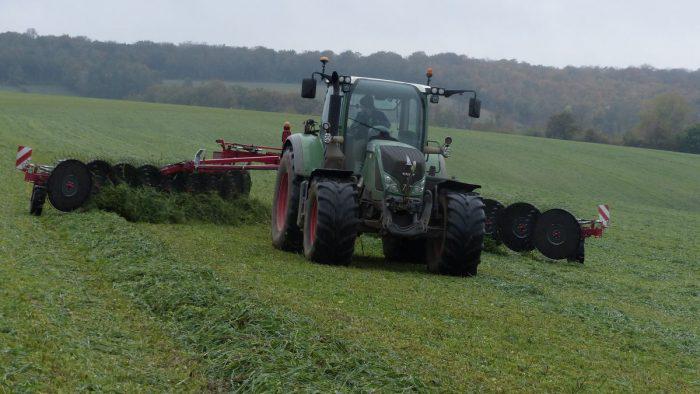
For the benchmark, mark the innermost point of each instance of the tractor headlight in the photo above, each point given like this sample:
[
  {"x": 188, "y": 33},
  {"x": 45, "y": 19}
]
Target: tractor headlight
[
  {"x": 391, "y": 185},
  {"x": 434, "y": 90},
  {"x": 418, "y": 187}
]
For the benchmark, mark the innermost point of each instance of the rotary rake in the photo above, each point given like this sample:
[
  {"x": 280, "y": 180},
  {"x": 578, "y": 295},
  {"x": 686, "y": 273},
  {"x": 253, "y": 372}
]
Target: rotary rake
[
  {"x": 69, "y": 183},
  {"x": 556, "y": 233}
]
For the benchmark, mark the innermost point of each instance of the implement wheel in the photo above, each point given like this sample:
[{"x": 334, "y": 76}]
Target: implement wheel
[
  {"x": 286, "y": 235},
  {"x": 516, "y": 226},
  {"x": 36, "y": 202},
  {"x": 125, "y": 173},
  {"x": 492, "y": 208},
  {"x": 457, "y": 251},
  {"x": 330, "y": 222},
  {"x": 101, "y": 171},
  {"x": 558, "y": 234},
  {"x": 69, "y": 185},
  {"x": 149, "y": 175}
]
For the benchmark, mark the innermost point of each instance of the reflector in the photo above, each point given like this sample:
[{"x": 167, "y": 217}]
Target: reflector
[
  {"x": 557, "y": 234},
  {"x": 516, "y": 224}
]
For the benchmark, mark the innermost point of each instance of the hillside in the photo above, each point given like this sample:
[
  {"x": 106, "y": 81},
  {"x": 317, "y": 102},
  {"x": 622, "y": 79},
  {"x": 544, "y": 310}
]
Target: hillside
[
  {"x": 91, "y": 301},
  {"x": 519, "y": 96}
]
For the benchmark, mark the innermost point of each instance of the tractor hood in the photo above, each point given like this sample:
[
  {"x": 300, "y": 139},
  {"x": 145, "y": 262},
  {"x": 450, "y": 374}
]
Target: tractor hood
[{"x": 402, "y": 167}]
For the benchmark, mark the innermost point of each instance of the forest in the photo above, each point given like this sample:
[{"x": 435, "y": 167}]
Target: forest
[{"x": 640, "y": 106}]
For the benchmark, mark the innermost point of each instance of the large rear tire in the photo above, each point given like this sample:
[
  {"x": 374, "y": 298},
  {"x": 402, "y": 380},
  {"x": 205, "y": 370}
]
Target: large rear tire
[
  {"x": 330, "y": 222},
  {"x": 458, "y": 250},
  {"x": 286, "y": 234}
]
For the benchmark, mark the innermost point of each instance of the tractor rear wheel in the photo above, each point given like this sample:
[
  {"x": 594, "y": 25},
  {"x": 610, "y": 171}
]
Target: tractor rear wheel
[
  {"x": 403, "y": 250},
  {"x": 330, "y": 222},
  {"x": 286, "y": 234},
  {"x": 457, "y": 251}
]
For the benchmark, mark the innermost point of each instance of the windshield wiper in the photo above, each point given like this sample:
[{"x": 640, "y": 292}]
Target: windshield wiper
[{"x": 366, "y": 125}]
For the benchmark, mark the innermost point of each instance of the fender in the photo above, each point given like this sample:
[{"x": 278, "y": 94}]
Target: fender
[
  {"x": 452, "y": 185},
  {"x": 307, "y": 152}
]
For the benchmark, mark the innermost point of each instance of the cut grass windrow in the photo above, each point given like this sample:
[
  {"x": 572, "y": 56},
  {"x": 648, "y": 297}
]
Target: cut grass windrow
[{"x": 242, "y": 343}]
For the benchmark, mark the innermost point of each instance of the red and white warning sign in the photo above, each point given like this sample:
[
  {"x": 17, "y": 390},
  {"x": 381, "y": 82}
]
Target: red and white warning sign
[
  {"x": 604, "y": 214},
  {"x": 24, "y": 156}
]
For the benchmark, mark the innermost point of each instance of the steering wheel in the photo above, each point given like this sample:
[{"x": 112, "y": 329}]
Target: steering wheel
[{"x": 381, "y": 132}]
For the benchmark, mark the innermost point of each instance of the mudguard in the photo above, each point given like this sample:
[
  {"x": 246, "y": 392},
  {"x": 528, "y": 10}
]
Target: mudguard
[
  {"x": 308, "y": 153},
  {"x": 452, "y": 185}
]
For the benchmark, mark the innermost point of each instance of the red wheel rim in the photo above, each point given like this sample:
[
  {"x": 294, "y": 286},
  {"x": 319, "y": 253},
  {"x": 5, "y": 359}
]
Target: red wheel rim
[
  {"x": 312, "y": 221},
  {"x": 282, "y": 190}
]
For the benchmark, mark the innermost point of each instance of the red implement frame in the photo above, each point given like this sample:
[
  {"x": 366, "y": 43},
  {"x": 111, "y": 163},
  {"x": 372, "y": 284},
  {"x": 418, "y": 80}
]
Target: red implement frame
[
  {"x": 232, "y": 157},
  {"x": 591, "y": 228}
]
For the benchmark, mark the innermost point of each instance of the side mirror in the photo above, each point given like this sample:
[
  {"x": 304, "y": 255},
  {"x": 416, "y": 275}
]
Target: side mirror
[
  {"x": 308, "y": 88},
  {"x": 474, "y": 107}
]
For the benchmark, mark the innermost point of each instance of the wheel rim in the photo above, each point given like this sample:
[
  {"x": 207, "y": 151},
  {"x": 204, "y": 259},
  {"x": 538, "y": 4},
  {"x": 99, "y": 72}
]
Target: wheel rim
[
  {"x": 282, "y": 190},
  {"x": 555, "y": 235},
  {"x": 521, "y": 227},
  {"x": 312, "y": 221},
  {"x": 69, "y": 186}
]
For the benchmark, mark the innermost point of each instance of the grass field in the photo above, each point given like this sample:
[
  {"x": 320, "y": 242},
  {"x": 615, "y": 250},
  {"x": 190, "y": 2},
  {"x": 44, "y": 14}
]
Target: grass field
[{"x": 91, "y": 301}]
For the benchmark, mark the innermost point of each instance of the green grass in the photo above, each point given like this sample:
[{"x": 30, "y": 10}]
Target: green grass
[{"x": 89, "y": 300}]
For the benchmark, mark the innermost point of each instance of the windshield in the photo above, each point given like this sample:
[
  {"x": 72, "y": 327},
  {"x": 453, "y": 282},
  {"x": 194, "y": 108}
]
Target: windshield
[{"x": 382, "y": 109}]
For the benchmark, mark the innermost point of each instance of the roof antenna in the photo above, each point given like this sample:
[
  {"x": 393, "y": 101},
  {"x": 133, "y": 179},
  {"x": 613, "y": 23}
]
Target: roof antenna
[
  {"x": 324, "y": 60},
  {"x": 429, "y": 74}
]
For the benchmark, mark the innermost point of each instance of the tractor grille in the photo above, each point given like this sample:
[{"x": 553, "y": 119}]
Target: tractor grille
[{"x": 394, "y": 160}]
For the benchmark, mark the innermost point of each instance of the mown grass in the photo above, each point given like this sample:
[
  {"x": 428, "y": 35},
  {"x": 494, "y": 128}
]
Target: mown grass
[
  {"x": 625, "y": 320},
  {"x": 147, "y": 204}
]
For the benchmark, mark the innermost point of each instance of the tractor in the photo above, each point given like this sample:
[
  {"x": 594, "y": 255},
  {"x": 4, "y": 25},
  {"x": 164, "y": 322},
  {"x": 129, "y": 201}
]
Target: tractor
[{"x": 368, "y": 166}]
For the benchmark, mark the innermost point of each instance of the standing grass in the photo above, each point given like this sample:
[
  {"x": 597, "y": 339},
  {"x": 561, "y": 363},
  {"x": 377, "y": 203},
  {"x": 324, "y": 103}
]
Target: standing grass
[{"x": 626, "y": 320}]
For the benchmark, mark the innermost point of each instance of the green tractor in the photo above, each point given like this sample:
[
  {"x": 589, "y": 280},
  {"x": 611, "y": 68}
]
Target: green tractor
[{"x": 369, "y": 167}]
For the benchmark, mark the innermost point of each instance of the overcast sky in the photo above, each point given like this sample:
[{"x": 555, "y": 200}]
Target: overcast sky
[{"x": 664, "y": 34}]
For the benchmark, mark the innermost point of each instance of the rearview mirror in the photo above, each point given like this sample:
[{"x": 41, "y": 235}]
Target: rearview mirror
[
  {"x": 474, "y": 107},
  {"x": 308, "y": 88}
]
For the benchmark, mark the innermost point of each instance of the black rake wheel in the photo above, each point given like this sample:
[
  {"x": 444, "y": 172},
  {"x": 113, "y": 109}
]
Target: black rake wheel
[
  {"x": 69, "y": 186},
  {"x": 557, "y": 234},
  {"x": 492, "y": 209},
  {"x": 101, "y": 172},
  {"x": 516, "y": 225},
  {"x": 125, "y": 173},
  {"x": 149, "y": 175}
]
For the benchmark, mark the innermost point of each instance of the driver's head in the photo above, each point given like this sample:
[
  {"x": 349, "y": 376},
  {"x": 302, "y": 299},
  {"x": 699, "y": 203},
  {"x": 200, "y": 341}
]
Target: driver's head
[{"x": 367, "y": 102}]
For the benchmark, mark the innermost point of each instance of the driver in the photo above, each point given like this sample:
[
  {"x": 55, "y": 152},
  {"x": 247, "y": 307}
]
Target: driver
[{"x": 369, "y": 116}]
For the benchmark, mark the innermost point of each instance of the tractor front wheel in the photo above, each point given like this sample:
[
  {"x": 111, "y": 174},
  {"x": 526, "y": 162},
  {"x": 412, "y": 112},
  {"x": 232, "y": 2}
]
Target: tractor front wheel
[
  {"x": 286, "y": 235},
  {"x": 457, "y": 251},
  {"x": 330, "y": 222}
]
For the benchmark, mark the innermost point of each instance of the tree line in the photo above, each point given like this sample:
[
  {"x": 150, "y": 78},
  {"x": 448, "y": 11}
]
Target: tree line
[{"x": 604, "y": 104}]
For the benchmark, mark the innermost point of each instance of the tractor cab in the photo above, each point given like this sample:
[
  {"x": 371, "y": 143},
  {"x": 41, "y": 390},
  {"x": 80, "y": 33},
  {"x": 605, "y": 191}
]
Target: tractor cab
[{"x": 380, "y": 110}]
